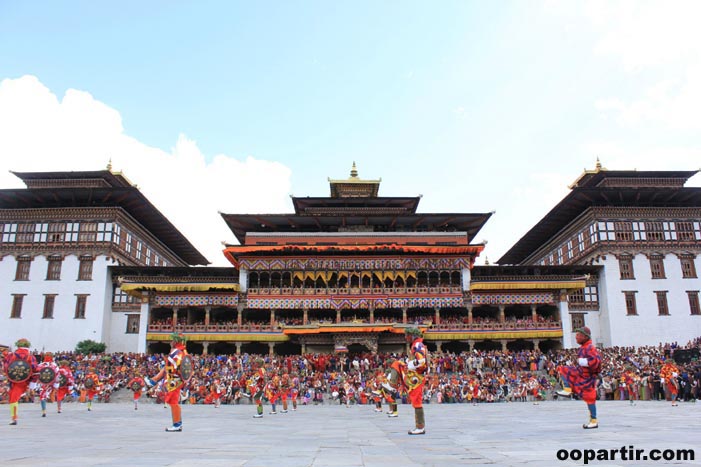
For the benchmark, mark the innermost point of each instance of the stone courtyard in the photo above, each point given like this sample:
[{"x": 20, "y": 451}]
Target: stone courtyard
[{"x": 513, "y": 434}]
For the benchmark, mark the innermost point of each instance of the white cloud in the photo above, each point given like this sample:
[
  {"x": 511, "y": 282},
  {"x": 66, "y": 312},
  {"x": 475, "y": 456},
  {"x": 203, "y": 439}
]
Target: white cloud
[
  {"x": 661, "y": 37},
  {"x": 39, "y": 132}
]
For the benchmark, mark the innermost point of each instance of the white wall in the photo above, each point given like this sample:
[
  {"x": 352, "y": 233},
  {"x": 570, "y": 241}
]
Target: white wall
[
  {"x": 648, "y": 328},
  {"x": 63, "y": 331}
]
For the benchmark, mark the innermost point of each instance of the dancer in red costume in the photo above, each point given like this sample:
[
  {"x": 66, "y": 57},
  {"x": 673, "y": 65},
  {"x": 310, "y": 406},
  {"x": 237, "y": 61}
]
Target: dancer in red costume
[
  {"x": 65, "y": 382},
  {"x": 581, "y": 379},
  {"x": 256, "y": 388},
  {"x": 137, "y": 386},
  {"x": 216, "y": 391},
  {"x": 177, "y": 372},
  {"x": 48, "y": 380},
  {"x": 669, "y": 374},
  {"x": 92, "y": 386},
  {"x": 20, "y": 367},
  {"x": 411, "y": 376}
]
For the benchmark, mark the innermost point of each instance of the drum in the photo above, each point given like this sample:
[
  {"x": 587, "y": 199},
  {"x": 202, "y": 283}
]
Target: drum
[
  {"x": 47, "y": 375},
  {"x": 19, "y": 371},
  {"x": 89, "y": 383}
]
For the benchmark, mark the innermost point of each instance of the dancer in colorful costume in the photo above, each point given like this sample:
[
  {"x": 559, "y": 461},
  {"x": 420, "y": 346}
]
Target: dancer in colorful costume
[
  {"x": 411, "y": 376},
  {"x": 669, "y": 374},
  {"x": 92, "y": 386},
  {"x": 256, "y": 388},
  {"x": 581, "y": 379},
  {"x": 65, "y": 382},
  {"x": 20, "y": 367},
  {"x": 177, "y": 372},
  {"x": 48, "y": 380},
  {"x": 137, "y": 386}
]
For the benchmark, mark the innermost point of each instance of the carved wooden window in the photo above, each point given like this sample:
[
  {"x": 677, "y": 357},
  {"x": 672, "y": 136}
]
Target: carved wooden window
[
  {"x": 127, "y": 246},
  {"x": 25, "y": 233},
  {"x": 631, "y": 306},
  {"x": 577, "y": 320},
  {"x": 654, "y": 231},
  {"x": 591, "y": 294},
  {"x": 80, "y": 306},
  {"x": 57, "y": 232},
  {"x": 23, "y": 265},
  {"x": 624, "y": 231},
  {"x": 688, "y": 267},
  {"x": 133, "y": 324},
  {"x": 53, "y": 270},
  {"x": 662, "y": 306},
  {"x": 625, "y": 265},
  {"x": 657, "y": 266},
  {"x": 148, "y": 256},
  {"x": 117, "y": 234},
  {"x": 17, "y": 300},
  {"x": 670, "y": 230},
  {"x": 85, "y": 270},
  {"x": 139, "y": 247},
  {"x": 49, "y": 301},
  {"x": 694, "y": 302},
  {"x": 88, "y": 232},
  {"x": 72, "y": 231},
  {"x": 685, "y": 231}
]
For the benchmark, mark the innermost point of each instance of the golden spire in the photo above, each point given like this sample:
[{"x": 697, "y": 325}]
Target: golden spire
[
  {"x": 598, "y": 164},
  {"x": 354, "y": 171},
  {"x": 109, "y": 165}
]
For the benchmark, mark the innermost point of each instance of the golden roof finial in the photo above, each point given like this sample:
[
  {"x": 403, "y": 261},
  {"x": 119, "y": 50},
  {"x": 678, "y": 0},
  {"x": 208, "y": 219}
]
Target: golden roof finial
[
  {"x": 109, "y": 165},
  {"x": 486, "y": 261},
  {"x": 598, "y": 164},
  {"x": 354, "y": 171}
]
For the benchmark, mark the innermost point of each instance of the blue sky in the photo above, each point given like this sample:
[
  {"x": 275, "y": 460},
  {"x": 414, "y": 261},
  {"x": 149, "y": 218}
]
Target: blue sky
[{"x": 479, "y": 106}]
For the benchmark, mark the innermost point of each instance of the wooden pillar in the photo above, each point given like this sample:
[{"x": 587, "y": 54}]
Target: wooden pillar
[
  {"x": 238, "y": 348},
  {"x": 439, "y": 346},
  {"x": 305, "y": 315},
  {"x": 469, "y": 314},
  {"x": 438, "y": 314},
  {"x": 372, "y": 313},
  {"x": 272, "y": 317},
  {"x": 271, "y": 348},
  {"x": 205, "y": 348},
  {"x": 534, "y": 313},
  {"x": 536, "y": 344},
  {"x": 239, "y": 314},
  {"x": 471, "y": 343},
  {"x": 502, "y": 314},
  {"x": 175, "y": 317},
  {"x": 207, "y": 309},
  {"x": 338, "y": 315},
  {"x": 404, "y": 309},
  {"x": 504, "y": 348}
]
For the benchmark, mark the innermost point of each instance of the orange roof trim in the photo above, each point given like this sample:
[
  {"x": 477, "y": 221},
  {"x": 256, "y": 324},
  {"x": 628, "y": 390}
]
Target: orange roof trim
[{"x": 233, "y": 252}]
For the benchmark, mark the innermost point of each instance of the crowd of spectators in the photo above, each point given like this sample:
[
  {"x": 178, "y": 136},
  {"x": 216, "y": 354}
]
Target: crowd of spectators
[{"x": 628, "y": 373}]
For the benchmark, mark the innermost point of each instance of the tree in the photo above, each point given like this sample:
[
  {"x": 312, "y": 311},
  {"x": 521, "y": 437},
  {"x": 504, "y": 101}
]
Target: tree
[{"x": 88, "y": 346}]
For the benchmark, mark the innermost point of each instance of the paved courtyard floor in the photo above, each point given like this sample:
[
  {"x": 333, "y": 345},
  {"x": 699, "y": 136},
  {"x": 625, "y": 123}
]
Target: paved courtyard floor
[{"x": 514, "y": 434}]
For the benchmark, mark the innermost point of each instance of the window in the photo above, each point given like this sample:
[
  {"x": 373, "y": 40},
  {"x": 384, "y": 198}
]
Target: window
[
  {"x": 85, "y": 271},
  {"x": 53, "y": 270},
  {"x": 685, "y": 231},
  {"x": 133, "y": 324},
  {"x": 148, "y": 256},
  {"x": 139, "y": 245},
  {"x": 25, "y": 233},
  {"x": 49, "y": 301},
  {"x": 631, "y": 308},
  {"x": 670, "y": 231},
  {"x": 577, "y": 320},
  {"x": 127, "y": 246},
  {"x": 23, "y": 264},
  {"x": 156, "y": 260},
  {"x": 688, "y": 267},
  {"x": 80, "y": 304},
  {"x": 638, "y": 231},
  {"x": 694, "y": 302},
  {"x": 41, "y": 232},
  {"x": 117, "y": 234},
  {"x": 57, "y": 232},
  {"x": 625, "y": 265},
  {"x": 17, "y": 300},
  {"x": 9, "y": 233},
  {"x": 591, "y": 294},
  {"x": 657, "y": 266},
  {"x": 662, "y": 307},
  {"x": 104, "y": 231},
  {"x": 119, "y": 296},
  {"x": 606, "y": 231},
  {"x": 71, "y": 234}
]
